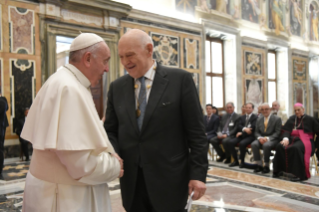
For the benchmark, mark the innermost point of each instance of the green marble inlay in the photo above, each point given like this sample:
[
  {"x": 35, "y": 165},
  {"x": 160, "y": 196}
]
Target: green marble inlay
[
  {"x": 23, "y": 62},
  {"x": 22, "y": 51},
  {"x": 22, "y": 10}
]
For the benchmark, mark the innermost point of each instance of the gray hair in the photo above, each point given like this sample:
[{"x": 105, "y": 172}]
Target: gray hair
[
  {"x": 76, "y": 56},
  {"x": 265, "y": 104},
  {"x": 230, "y": 103},
  {"x": 276, "y": 101}
]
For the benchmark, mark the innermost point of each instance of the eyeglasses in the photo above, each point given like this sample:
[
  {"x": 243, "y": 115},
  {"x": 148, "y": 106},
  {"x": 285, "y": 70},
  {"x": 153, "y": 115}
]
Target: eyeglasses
[{"x": 265, "y": 109}]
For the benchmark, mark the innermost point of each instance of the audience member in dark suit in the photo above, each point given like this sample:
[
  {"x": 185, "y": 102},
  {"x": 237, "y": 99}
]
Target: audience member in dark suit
[
  {"x": 6, "y": 118},
  {"x": 259, "y": 114},
  {"x": 3, "y": 107},
  {"x": 226, "y": 130},
  {"x": 245, "y": 135},
  {"x": 155, "y": 123},
  {"x": 293, "y": 153},
  {"x": 267, "y": 134},
  {"x": 211, "y": 122},
  {"x": 24, "y": 143},
  {"x": 215, "y": 111},
  {"x": 243, "y": 110}
]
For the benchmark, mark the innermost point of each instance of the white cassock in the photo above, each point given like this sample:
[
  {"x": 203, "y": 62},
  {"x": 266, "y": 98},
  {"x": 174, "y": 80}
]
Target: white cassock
[{"x": 71, "y": 162}]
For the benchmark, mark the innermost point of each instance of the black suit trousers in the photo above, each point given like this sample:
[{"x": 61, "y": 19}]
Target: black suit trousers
[
  {"x": 243, "y": 143},
  {"x": 141, "y": 201}
]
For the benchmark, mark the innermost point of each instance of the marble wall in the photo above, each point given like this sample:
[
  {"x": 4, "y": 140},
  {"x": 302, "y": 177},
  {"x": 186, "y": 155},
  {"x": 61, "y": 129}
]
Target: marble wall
[{"x": 20, "y": 58}]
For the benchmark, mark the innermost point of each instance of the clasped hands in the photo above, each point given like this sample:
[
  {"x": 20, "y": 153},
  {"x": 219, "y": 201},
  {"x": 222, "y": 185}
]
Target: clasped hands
[
  {"x": 263, "y": 140},
  {"x": 246, "y": 130},
  {"x": 121, "y": 164},
  {"x": 222, "y": 136}
]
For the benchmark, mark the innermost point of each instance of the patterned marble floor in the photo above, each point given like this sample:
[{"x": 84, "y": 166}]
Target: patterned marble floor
[{"x": 228, "y": 190}]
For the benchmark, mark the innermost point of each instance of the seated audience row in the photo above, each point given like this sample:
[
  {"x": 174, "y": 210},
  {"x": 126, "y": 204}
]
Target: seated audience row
[{"x": 264, "y": 131}]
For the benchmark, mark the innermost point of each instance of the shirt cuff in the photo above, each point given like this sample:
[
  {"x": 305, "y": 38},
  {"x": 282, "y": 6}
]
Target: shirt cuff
[{"x": 243, "y": 129}]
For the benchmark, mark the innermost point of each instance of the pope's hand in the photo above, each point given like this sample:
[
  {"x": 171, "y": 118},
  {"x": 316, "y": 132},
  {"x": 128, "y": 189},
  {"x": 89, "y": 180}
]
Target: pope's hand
[
  {"x": 121, "y": 163},
  {"x": 198, "y": 187}
]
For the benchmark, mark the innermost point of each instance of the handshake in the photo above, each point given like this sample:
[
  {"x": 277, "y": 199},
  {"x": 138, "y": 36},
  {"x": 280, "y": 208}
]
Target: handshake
[{"x": 121, "y": 163}]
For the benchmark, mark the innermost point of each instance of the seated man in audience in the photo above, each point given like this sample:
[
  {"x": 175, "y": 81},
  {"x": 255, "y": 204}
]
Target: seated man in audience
[
  {"x": 211, "y": 122},
  {"x": 259, "y": 114},
  {"x": 294, "y": 151},
  {"x": 276, "y": 111},
  {"x": 227, "y": 130},
  {"x": 267, "y": 133},
  {"x": 245, "y": 136}
]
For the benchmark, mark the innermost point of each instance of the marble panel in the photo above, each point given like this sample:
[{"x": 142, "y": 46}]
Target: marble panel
[
  {"x": 81, "y": 18},
  {"x": 300, "y": 93},
  {"x": 196, "y": 81},
  {"x": 166, "y": 49},
  {"x": 254, "y": 91},
  {"x": 15, "y": 171},
  {"x": 299, "y": 69},
  {"x": 22, "y": 31},
  {"x": 270, "y": 183},
  {"x": 191, "y": 53},
  {"x": 22, "y": 75}
]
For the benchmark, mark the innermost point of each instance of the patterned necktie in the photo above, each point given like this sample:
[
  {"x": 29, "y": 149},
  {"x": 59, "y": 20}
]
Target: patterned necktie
[
  {"x": 141, "y": 102},
  {"x": 225, "y": 129},
  {"x": 247, "y": 118}
]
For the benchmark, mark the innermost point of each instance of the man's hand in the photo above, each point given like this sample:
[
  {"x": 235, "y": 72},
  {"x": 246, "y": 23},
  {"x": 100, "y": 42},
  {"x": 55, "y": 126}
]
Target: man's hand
[
  {"x": 224, "y": 136},
  {"x": 284, "y": 142},
  {"x": 262, "y": 140},
  {"x": 121, "y": 163},
  {"x": 248, "y": 130},
  {"x": 198, "y": 187},
  {"x": 238, "y": 134}
]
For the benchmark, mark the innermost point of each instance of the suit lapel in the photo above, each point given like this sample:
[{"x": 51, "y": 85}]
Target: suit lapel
[
  {"x": 158, "y": 88},
  {"x": 130, "y": 101}
]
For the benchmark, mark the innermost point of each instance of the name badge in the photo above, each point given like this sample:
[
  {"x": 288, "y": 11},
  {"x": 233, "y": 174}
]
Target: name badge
[
  {"x": 249, "y": 125},
  {"x": 231, "y": 124}
]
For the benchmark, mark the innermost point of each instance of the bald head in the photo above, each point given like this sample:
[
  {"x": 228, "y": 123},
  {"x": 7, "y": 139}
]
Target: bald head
[
  {"x": 138, "y": 36},
  {"x": 136, "y": 52}
]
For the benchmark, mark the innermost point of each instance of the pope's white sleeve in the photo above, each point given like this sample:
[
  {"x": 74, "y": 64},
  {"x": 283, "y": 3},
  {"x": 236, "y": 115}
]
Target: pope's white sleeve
[{"x": 88, "y": 168}]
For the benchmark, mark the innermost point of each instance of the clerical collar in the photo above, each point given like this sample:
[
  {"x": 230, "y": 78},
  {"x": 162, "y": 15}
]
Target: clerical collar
[{"x": 79, "y": 75}]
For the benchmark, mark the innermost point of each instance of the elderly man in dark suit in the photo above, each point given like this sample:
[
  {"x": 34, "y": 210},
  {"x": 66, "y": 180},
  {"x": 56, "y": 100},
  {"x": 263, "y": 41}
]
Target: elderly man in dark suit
[
  {"x": 227, "y": 130},
  {"x": 267, "y": 134},
  {"x": 245, "y": 135},
  {"x": 155, "y": 123},
  {"x": 211, "y": 122}
]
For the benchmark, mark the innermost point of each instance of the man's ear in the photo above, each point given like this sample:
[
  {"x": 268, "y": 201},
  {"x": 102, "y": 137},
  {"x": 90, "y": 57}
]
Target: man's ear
[
  {"x": 149, "y": 48},
  {"x": 87, "y": 59}
]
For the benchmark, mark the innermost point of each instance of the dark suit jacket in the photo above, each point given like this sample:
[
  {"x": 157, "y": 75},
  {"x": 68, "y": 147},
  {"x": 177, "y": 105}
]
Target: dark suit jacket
[
  {"x": 273, "y": 128},
  {"x": 212, "y": 126},
  {"x": 233, "y": 128},
  {"x": 19, "y": 127},
  {"x": 252, "y": 122},
  {"x": 7, "y": 107},
  {"x": 172, "y": 145},
  {"x": 3, "y": 107}
]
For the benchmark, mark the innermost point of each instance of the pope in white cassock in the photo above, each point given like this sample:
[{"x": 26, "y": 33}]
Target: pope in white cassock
[{"x": 72, "y": 159}]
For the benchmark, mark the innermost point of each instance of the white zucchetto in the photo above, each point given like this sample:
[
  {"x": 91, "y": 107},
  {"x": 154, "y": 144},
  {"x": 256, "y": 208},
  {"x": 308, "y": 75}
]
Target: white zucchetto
[{"x": 85, "y": 40}]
